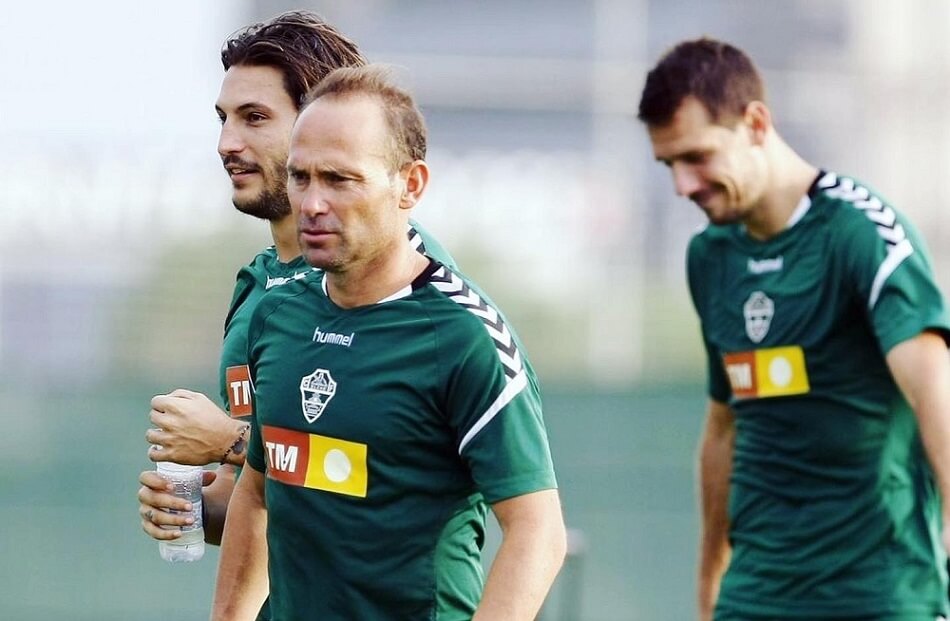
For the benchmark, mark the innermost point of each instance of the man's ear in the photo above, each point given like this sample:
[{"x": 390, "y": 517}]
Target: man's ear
[
  {"x": 417, "y": 180},
  {"x": 758, "y": 119}
]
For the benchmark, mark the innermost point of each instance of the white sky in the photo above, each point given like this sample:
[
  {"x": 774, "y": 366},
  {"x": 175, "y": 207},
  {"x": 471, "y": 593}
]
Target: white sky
[{"x": 112, "y": 68}]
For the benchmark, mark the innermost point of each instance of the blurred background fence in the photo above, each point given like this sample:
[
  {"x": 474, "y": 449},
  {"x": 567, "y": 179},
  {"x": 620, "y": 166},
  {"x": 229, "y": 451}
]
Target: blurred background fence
[{"x": 118, "y": 248}]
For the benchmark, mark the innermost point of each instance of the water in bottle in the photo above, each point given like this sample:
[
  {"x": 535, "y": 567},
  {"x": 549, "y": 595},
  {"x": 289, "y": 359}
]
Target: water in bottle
[{"x": 191, "y": 545}]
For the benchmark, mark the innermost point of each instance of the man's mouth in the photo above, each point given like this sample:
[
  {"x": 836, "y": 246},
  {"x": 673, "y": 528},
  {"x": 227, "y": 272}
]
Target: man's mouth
[{"x": 238, "y": 170}]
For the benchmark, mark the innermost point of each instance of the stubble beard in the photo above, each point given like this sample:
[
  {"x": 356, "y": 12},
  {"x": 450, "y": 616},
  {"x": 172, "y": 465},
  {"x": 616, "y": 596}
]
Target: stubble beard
[{"x": 272, "y": 203}]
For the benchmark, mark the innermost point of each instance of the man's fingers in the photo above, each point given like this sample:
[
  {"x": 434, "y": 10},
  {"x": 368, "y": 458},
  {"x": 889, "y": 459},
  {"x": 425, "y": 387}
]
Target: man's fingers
[
  {"x": 184, "y": 393},
  {"x": 159, "y": 402},
  {"x": 152, "y": 435},
  {"x": 153, "y": 521},
  {"x": 161, "y": 500},
  {"x": 158, "y": 453},
  {"x": 154, "y": 481}
]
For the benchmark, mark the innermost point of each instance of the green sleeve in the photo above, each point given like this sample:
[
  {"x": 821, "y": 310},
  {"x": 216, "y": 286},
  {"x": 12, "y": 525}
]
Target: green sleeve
[
  {"x": 255, "y": 447},
  {"x": 888, "y": 265},
  {"x": 493, "y": 402},
  {"x": 698, "y": 276}
]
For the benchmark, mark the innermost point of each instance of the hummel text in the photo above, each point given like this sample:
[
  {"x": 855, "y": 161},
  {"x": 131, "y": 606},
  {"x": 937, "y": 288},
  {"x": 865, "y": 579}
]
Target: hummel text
[
  {"x": 332, "y": 338},
  {"x": 766, "y": 265}
]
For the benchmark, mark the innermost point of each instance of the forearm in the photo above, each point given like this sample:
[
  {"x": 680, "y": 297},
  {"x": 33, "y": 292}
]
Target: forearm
[
  {"x": 242, "y": 585},
  {"x": 215, "y": 499},
  {"x": 530, "y": 555},
  {"x": 715, "y": 469},
  {"x": 922, "y": 370}
]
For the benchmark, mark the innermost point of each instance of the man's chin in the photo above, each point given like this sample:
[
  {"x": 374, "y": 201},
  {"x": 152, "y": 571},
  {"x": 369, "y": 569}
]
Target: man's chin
[{"x": 265, "y": 207}]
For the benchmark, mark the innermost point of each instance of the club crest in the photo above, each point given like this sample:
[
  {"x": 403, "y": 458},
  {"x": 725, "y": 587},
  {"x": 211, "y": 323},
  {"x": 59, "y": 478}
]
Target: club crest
[
  {"x": 758, "y": 311},
  {"x": 316, "y": 390}
]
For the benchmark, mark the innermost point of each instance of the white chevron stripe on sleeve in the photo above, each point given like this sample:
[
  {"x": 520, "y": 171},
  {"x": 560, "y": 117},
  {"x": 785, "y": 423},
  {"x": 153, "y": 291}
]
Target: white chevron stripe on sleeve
[
  {"x": 515, "y": 386},
  {"x": 890, "y": 263},
  {"x": 892, "y": 235},
  {"x": 885, "y": 217}
]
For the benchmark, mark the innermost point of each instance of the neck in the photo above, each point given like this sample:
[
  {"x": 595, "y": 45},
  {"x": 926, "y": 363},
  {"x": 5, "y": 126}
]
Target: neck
[
  {"x": 284, "y": 232},
  {"x": 789, "y": 177},
  {"x": 374, "y": 280}
]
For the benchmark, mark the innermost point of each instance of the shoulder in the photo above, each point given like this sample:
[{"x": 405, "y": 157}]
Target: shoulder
[
  {"x": 850, "y": 202},
  {"x": 280, "y": 299},
  {"x": 263, "y": 258},
  {"x": 423, "y": 241},
  {"x": 859, "y": 214},
  {"x": 705, "y": 245},
  {"x": 255, "y": 271},
  {"x": 462, "y": 311},
  {"x": 709, "y": 238}
]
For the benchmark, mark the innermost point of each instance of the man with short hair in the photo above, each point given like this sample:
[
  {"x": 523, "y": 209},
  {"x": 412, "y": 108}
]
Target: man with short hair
[
  {"x": 378, "y": 444},
  {"x": 826, "y": 445},
  {"x": 269, "y": 67}
]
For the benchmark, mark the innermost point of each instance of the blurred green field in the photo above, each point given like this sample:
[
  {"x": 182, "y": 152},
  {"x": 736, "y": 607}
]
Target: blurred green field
[{"x": 73, "y": 549}]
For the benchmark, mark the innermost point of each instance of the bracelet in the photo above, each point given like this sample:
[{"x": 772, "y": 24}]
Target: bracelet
[{"x": 238, "y": 445}]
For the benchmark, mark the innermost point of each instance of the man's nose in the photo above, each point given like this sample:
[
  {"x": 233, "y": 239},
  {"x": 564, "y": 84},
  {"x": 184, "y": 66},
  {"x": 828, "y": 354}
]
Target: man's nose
[
  {"x": 229, "y": 141},
  {"x": 685, "y": 179}
]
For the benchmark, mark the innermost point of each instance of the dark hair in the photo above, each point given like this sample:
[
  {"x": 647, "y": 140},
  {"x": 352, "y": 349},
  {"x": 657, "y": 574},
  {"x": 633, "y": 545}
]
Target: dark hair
[
  {"x": 407, "y": 128},
  {"x": 299, "y": 43},
  {"x": 721, "y": 76}
]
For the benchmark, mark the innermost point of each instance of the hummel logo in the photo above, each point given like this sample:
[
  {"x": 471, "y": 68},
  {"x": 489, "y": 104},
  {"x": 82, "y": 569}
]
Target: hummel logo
[
  {"x": 283, "y": 280},
  {"x": 332, "y": 338},
  {"x": 766, "y": 265}
]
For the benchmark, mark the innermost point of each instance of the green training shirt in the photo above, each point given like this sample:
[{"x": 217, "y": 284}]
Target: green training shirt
[
  {"x": 383, "y": 431},
  {"x": 833, "y": 510},
  {"x": 263, "y": 273}
]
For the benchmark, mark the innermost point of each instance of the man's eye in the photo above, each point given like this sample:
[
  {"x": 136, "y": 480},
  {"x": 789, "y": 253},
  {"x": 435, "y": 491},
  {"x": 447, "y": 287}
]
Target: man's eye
[{"x": 255, "y": 117}]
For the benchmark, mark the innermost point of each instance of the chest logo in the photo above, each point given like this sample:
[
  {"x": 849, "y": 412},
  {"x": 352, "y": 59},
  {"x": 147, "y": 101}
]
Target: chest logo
[
  {"x": 316, "y": 390},
  {"x": 764, "y": 266},
  {"x": 770, "y": 372},
  {"x": 277, "y": 281},
  {"x": 758, "y": 311}
]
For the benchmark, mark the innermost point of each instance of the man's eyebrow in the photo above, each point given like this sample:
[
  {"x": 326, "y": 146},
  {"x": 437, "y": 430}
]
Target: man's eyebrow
[{"x": 245, "y": 107}]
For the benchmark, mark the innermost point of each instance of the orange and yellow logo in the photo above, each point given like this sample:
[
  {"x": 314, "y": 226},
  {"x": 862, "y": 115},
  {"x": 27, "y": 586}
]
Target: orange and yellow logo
[
  {"x": 315, "y": 461},
  {"x": 772, "y": 372}
]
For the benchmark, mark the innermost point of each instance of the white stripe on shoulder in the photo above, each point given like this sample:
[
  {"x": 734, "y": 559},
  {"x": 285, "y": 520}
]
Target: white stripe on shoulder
[
  {"x": 511, "y": 390},
  {"x": 458, "y": 290},
  {"x": 894, "y": 258},
  {"x": 885, "y": 221}
]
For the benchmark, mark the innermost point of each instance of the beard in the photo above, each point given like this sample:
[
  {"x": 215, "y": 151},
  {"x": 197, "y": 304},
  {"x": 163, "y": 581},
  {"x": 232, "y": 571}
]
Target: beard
[{"x": 271, "y": 203}]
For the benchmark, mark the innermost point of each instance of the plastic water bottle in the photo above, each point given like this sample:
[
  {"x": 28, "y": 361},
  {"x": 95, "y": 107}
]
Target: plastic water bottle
[{"x": 191, "y": 545}]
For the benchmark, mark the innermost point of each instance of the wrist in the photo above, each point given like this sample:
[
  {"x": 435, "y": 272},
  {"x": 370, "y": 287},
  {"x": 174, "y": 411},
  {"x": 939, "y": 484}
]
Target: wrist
[{"x": 234, "y": 454}]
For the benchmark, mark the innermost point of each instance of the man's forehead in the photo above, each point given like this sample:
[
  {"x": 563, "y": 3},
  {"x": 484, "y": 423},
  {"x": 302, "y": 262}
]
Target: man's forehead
[
  {"x": 253, "y": 84},
  {"x": 691, "y": 127}
]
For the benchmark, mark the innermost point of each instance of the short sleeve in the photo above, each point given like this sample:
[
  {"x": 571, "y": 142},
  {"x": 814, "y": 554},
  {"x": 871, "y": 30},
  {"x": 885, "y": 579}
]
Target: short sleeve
[
  {"x": 255, "y": 447},
  {"x": 493, "y": 402},
  {"x": 889, "y": 267},
  {"x": 698, "y": 277}
]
